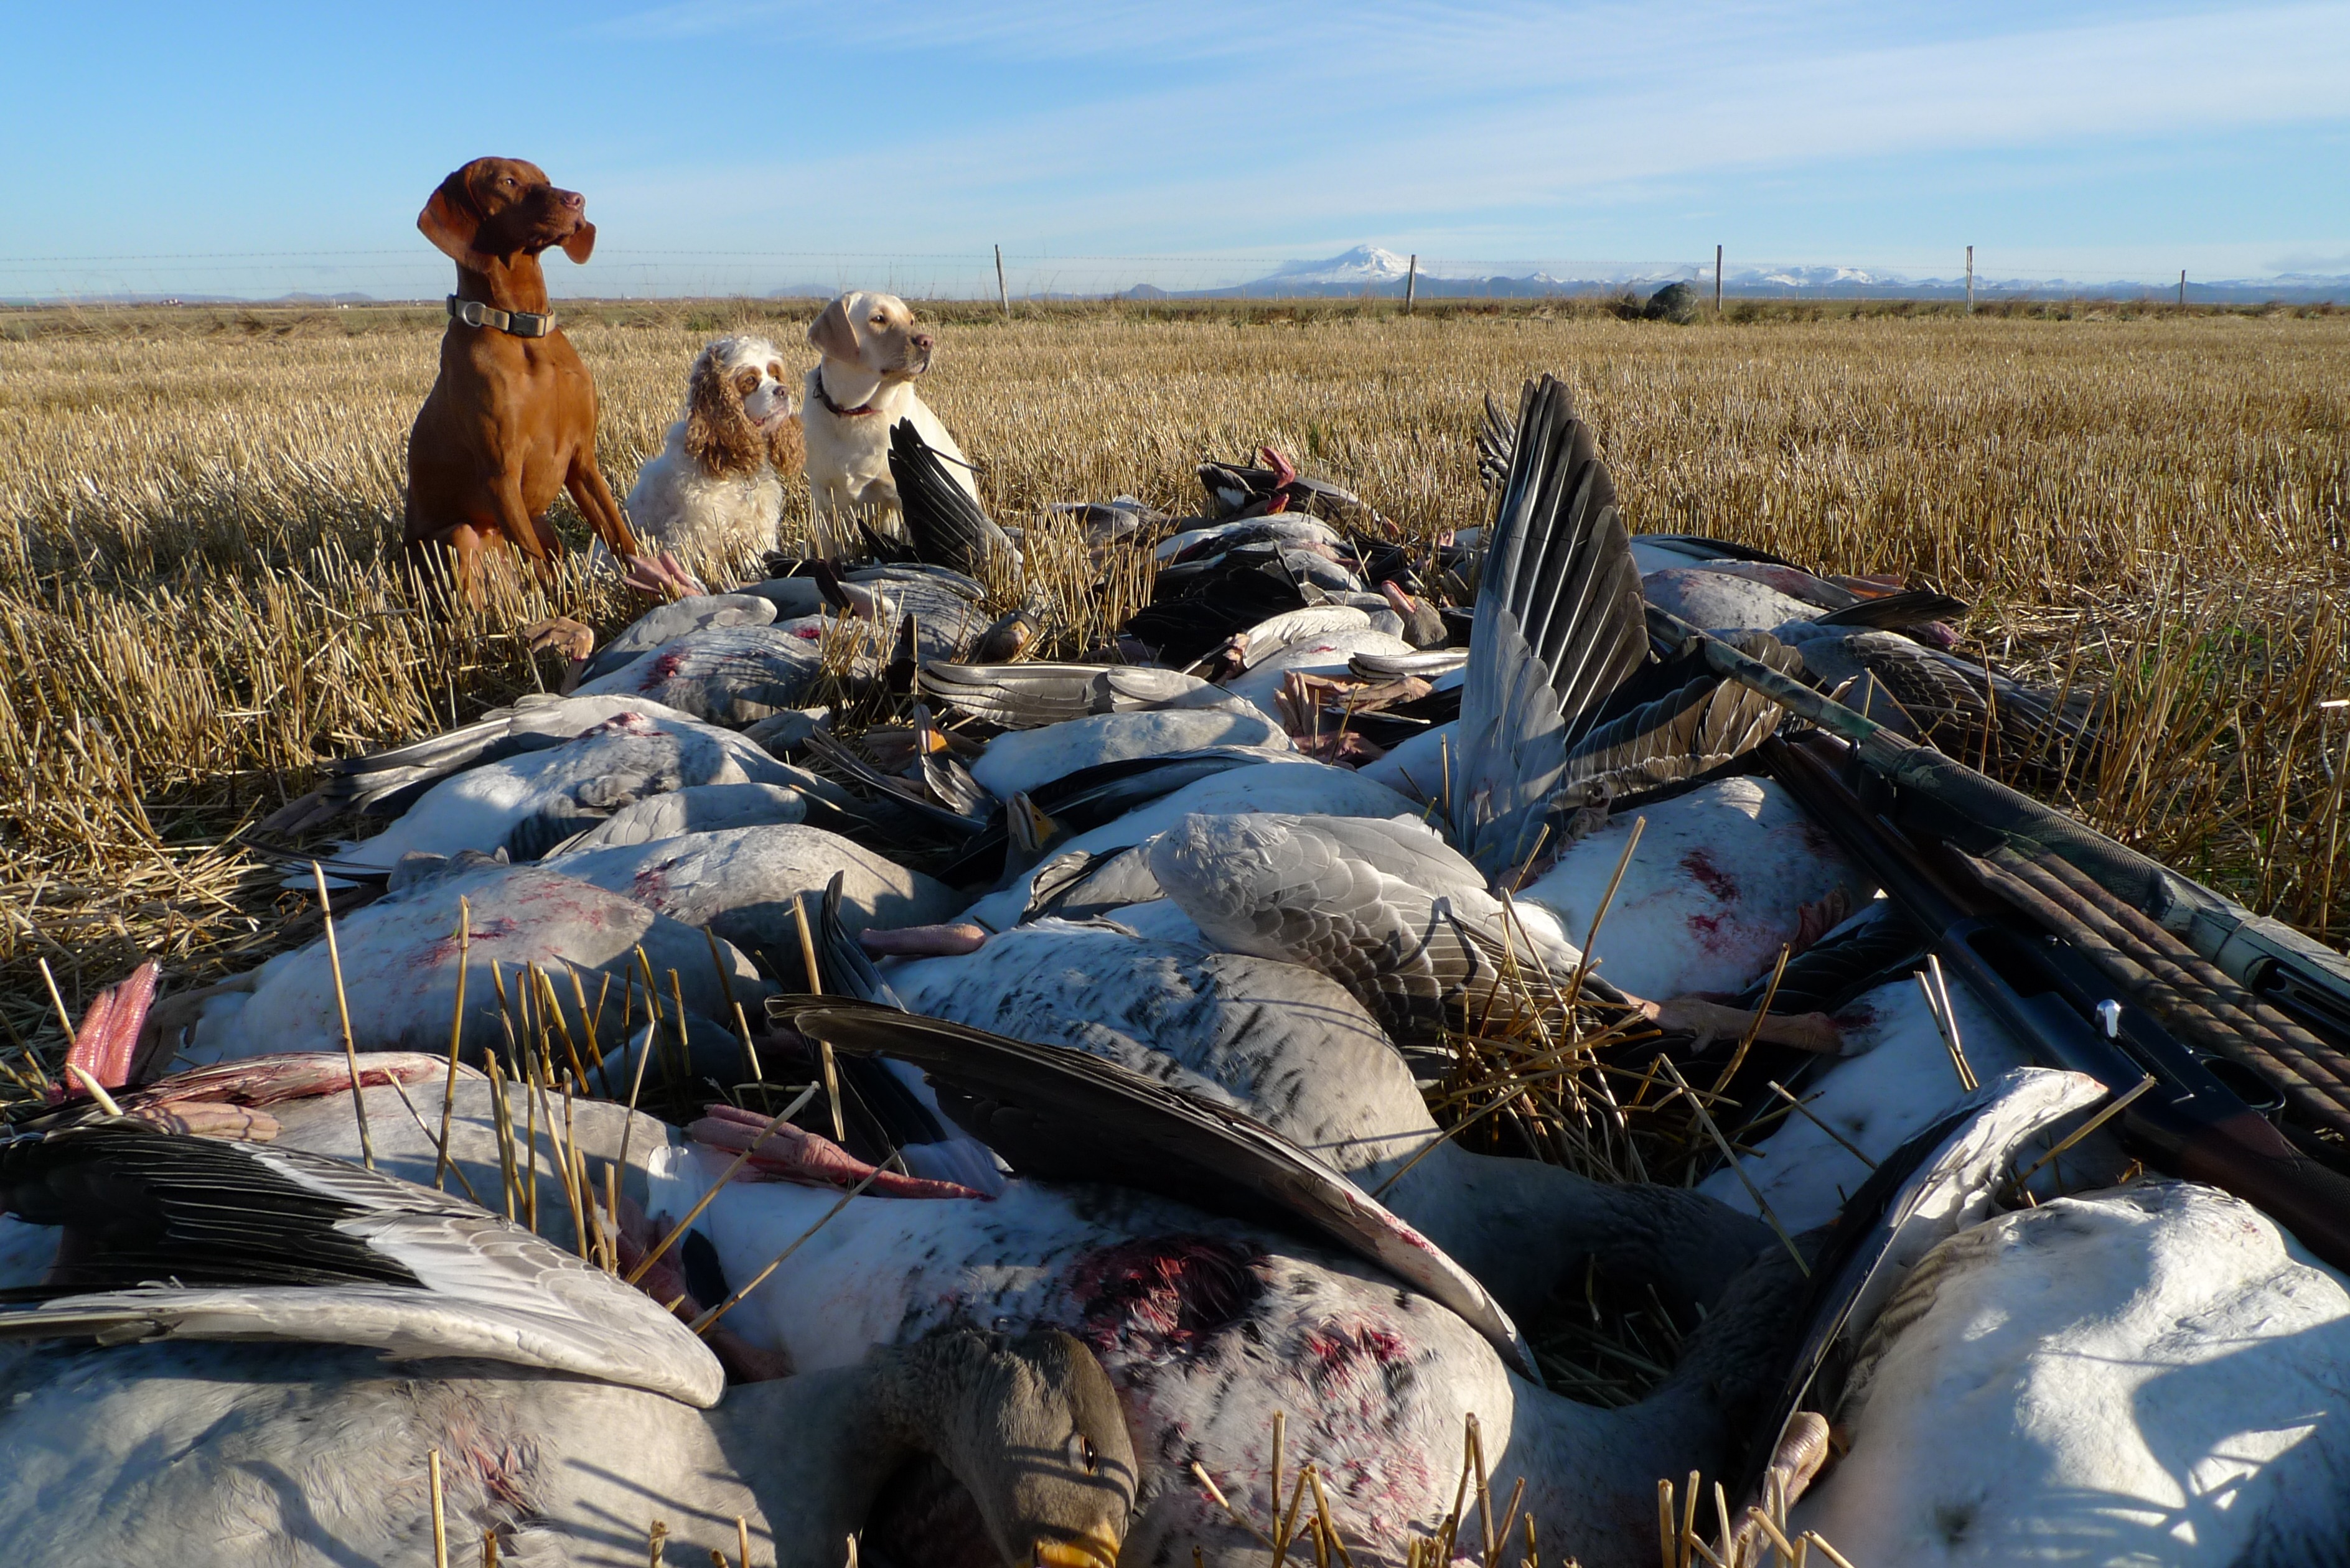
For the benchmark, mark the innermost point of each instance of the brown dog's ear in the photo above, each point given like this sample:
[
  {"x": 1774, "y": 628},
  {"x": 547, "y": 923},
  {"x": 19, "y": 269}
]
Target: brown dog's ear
[
  {"x": 834, "y": 338},
  {"x": 787, "y": 447},
  {"x": 580, "y": 243},
  {"x": 718, "y": 434},
  {"x": 450, "y": 220}
]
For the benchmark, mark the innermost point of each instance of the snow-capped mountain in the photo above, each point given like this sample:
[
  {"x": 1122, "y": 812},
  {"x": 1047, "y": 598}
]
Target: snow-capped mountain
[
  {"x": 1362, "y": 265},
  {"x": 1376, "y": 270}
]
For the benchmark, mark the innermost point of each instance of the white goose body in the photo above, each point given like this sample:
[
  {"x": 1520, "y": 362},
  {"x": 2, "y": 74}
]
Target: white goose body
[
  {"x": 2153, "y": 1374},
  {"x": 743, "y": 882},
  {"x": 1322, "y": 654},
  {"x": 1415, "y": 769},
  {"x": 400, "y": 960},
  {"x": 1895, "y": 1077},
  {"x": 1282, "y": 783},
  {"x": 1711, "y": 598},
  {"x": 1712, "y": 892}
]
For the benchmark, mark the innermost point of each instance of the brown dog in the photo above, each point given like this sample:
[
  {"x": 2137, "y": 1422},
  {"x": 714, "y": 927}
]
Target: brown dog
[{"x": 511, "y": 419}]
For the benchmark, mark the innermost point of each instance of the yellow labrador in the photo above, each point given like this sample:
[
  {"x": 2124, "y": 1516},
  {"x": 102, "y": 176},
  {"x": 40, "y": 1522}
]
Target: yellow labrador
[{"x": 872, "y": 352}]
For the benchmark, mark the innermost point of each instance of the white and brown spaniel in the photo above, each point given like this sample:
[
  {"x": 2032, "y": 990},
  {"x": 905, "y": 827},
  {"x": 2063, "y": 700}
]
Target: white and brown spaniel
[{"x": 716, "y": 490}]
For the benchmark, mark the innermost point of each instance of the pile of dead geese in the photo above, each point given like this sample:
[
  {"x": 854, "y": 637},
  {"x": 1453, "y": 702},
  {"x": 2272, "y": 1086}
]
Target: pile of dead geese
[{"x": 1088, "y": 1112}]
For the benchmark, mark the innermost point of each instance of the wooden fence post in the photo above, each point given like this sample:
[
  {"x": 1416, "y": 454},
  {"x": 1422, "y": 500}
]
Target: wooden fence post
[{"x": 1003, "y": 294}]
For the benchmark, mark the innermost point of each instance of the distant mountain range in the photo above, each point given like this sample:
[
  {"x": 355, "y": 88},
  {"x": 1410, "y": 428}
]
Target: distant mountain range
[
  {"x": 1373, "y": 271},
  {"x": 1369, "y": 270}
]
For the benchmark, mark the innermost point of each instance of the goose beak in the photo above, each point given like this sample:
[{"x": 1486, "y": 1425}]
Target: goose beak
[{"x": 1096, "y": 1548}]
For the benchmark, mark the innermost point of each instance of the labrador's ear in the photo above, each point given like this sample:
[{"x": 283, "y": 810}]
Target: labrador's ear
[
  {"x": 451, "y": 220},
  {"x": 832, "y": 334},
  {"x": 580, "y": 243}
]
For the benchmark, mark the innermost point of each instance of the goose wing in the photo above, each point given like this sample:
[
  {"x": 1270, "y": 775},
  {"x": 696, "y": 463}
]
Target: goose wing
[
  {"x": 1062, "y": 1115},
  {"x": 385, "y": 783},
  {"x": 1702, "y": 722},
  {"x": 725, "y": 674},
  {"x": 1029, "y": 696},
  {"x": 1384, "y": 908},
  {"x": 667, "y": 623},
  {"x": 169, "y": 1236},
  {"x": 1497, "y": 433},
  {"x": 947, "y": 527},
  {"x": 1559, "y": 625}
]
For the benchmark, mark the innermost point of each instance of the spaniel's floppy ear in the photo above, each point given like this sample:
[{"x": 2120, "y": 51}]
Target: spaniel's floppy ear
[
  {"x": 788, "y": 446},
  {"x": 833, "y": 336},
  {"x": 451, "y": 220},
  {"x": 718, "y": 434},
  {"x": 580, "y": 243}
]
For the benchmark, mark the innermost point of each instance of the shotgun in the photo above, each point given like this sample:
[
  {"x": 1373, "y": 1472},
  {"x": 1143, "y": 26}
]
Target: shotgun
[
  {"x": 2305, "y": 979},
  {"x": 2064, "y": 1010}
]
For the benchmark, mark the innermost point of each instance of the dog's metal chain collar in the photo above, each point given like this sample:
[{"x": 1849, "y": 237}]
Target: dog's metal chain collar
[
  {"x": 519, "y": 323},
  {"x": 825, "y": 398}
]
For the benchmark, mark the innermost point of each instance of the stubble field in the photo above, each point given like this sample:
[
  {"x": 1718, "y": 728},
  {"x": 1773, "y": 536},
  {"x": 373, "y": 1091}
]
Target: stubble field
[{"x": 199, "y": 515}]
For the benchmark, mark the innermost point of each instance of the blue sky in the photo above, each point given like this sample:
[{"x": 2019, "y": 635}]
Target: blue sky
[{"x": 756, "y": 143}]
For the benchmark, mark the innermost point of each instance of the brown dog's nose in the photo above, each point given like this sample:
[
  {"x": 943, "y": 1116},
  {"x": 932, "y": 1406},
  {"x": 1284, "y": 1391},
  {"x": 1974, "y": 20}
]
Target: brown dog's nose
[{"x": 572, "y": 199}]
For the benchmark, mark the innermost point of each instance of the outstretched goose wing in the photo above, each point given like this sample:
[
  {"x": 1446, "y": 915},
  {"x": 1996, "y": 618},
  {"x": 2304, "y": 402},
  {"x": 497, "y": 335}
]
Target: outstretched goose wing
[
  {"x": 1497, "y": 433},
  {"x": 169, "y": 1236},
  {"x": 1702, "y": 722},
  {"x": 1560, "y": 624},
  {"x": 947, "y": 527},
  {"x": 1062, "y": 1115}
]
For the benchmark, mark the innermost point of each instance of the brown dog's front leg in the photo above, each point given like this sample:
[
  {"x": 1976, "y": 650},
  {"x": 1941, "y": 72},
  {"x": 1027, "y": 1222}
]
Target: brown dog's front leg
[
  {"x": 522, "y": 530},
  {"x": 597, "y": 504}
]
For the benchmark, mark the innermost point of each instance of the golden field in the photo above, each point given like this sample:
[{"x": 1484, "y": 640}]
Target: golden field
[{"x": 199, "y": 508}]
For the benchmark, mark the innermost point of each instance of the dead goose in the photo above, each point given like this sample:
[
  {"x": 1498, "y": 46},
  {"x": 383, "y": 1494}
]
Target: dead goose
[
  {"x": 1228, "y": 779},
  {"x": 1391, "y": 912},
  {"x": 2149, "y": 1375},
  {"x": 728, "y": 674},
  {"x": 1027, "y": 696},
  {"x": 571, "y": 1410},
  {"x": 666, "y": 623},
  {"x": 526, "y": 804},
  {"x": 399, "y": 963},
  {"x": 1723, "y": 876},
  {"x": 386, "y": 783},
  {"x": 742, "y": 883},
  {"x": 1207, "y": 1326},
  {"x": 1293, "y": 1049},
  {"x": 696, "y": 808}
]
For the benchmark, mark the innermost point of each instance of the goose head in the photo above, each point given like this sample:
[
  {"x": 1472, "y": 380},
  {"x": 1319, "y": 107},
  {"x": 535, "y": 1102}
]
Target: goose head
[{"x": 1035, "y": 1432}]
